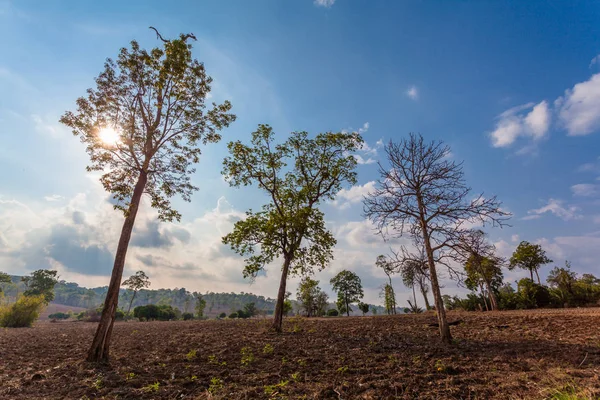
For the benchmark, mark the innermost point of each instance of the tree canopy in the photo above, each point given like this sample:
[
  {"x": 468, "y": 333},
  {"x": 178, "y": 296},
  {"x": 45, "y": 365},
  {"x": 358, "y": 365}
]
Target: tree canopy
[
  {"x": 530, "y": 257},
  {"x": 297, "y": 175},
  {"x": 41, "y": 282},
  {"x": 349, "y": 290}
]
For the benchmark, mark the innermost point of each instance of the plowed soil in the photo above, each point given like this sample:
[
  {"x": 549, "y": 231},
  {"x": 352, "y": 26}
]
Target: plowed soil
[{"x": 504, "y": 355}]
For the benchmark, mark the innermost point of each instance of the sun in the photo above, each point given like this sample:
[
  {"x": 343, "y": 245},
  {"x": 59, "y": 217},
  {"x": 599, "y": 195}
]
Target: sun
[{"x": 108, "y": 135}]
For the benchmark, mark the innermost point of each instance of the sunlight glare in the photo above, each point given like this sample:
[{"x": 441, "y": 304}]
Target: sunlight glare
[{"x": 109, "y": 136}]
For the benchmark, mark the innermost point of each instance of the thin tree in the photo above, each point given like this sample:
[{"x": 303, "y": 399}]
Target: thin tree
[
  {"x": 530, "y": 257},
  {"x": 422, "y": 192},
  {"x": 135, "y": 283},
  {"x": 388, "y": 268},
  {"x": 290, "y": 226},
  {"x": 483, "y": 267},
  {"x": 200, "y": 304},
  {"x": 142, "y": 125},
  {"x": 349, "y": 289},
  {"x": 307, "y": 294}
]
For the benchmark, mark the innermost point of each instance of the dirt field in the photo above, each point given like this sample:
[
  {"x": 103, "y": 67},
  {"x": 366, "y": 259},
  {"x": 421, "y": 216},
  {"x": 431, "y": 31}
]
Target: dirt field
[{"x": 507, "y": 355}]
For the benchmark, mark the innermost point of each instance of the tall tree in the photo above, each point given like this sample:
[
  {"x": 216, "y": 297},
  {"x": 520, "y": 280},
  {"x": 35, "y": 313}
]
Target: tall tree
[
  {"x": 136, "y": 282},
  {"x": 364, "y": 307},
  {"x": 529, "y": 256},
  {"x": 388, "y": 268},
  {"x": 349, "y": 289},
  {"x": 200, "y": 304},
  {"x": 308, "y": 295},
  {"x": 290, "y": 226},
  {"x": 142, "y": 126},
  {"x": 4, "y": 278},
  {"x": 423, "y": 192},
  {"x": 41, "y": 282},
  {"x": 483, "y": 267},
  {"x": 563, "y": 280}
]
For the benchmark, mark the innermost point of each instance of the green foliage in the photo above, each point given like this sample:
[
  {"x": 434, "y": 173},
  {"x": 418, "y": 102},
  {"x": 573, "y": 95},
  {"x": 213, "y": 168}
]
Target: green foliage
[
  {"x": 530, "y": 257},
  {"x": 23, "y": 312},
  {"x": 481, "y": 270},
  {"x": 223, "y": 315},
  {"x": 191, "y": 355},
  {"x": 332, "y": 312},
  {"x": 135, "y": 283},
  {"x": 287, "y": 307},
  {"x": 4, "y": 278},
  {"x": 59, "y": 315},
  {"x": 247, "y": 356},
  {"x": 41, "y": 282},
  {"x": 233, "y": 315},
  {"x": 389, "y": 299},
  {"x": 413, "y": 308},
  {"x": 187, "y": 316},
  {"x": 364, "y": 307},
  {"x": 320, "y": 166},
  {"x": 250, "y": 310},
  {"x": 215, "y": 386},
  {"x": 153, "y": 387},
  {"x": 153, "y": 312},
  {"x": 155, "y": 101},
  {"x": 200, "y": 305},
  {"x": 349, "y": 289},
  {"x": 312, "y": 299},
  {"x": 533, "y": 295},
  {"x": 268, "y": 349},
  {"x": 273, "y": 389}
]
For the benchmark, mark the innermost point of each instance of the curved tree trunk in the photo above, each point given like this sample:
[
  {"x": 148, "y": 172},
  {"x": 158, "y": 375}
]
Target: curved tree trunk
[
  {"x": 424, "y": 293},
  {"x": 100, "y": 345},
  {"x": 492, "y": 296},
  {"x": 531, "y": 273},
  {"x": 538, "y": 276},
  {"x": 278, "y": 315},
  {"x": 483, "y": 296},
  {"x": 131, "y": 302}
]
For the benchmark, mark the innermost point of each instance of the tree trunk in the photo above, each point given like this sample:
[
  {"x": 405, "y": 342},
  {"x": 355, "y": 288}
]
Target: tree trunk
[
  {"x": 483, "y": 296},
  {"x": 100, "y": 345},
  {"x": 492, "y": 295},
  {"x": 414, "y": 295},
  {"x": 538, "y": 276},
  {"x": 278, "y": 315},
  {"x": 393, "y": 296},
  {"x": 531, "y": 273},
  {"x": 347, "y": 305},
  {"x": 427, "y": 306},
  {"x": 131, "y": 302}
]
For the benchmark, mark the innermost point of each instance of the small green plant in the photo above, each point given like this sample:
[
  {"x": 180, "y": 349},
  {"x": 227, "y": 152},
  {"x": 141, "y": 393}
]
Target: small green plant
[
  {"x": 342, "y": 370},
  {"x": 129, "y": 376},
  {"x": 215, "y": 361},
  {"x": 193, "y": 378},
  {"x": 301, "y": 362},
  {"x": 216, "y": 384},
  {"x": 191, "y": 355},
  {"x": 284, "y": 360},
  {"x": 153, "y": 387},
  {"x": 268, "y": 349},
  {"x": 272, "y": 389},
  {"x": 440, "y": 367},
  {"x": 392, "y": 359},
  {"x": 247, "y": 356},
  {"x": 296, "y": 376},
  {"x": 162, "y": 365},
  {"x": 97, "y": 384}
]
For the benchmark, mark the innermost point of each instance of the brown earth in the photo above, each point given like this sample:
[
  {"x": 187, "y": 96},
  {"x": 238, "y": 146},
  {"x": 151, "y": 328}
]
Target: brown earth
[{"x": 505, "y": 355}]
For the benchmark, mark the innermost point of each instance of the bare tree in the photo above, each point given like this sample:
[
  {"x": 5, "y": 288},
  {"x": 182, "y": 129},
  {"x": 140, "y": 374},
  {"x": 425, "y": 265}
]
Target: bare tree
[{"x": 423, "y": 193}]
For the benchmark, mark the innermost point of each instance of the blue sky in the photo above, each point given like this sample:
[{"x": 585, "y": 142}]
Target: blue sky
[{"x": 512, "y": 87}]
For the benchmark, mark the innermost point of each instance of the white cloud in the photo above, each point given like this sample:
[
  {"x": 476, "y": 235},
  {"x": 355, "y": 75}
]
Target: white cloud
[
  {"x": 54, "y": 197},
  {"x": 555, "y": 207},
  {"x": 579, "y": 108},
  {"x": 363, "y": 161},
  {"x": 595, "y": 60},
  {"x": 584, "y": 190},
  {"x": 324, "y": 3},
  {"x": 346, "y": 197},
  {"x": 513, "y": 124},
  {"x": 514, "y": 238},
  {"x": 412, "y": 92}
]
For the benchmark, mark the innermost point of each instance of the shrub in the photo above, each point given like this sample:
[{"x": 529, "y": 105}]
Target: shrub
[
  {"x": 23, "y": 312},
  {"x": 153, "y": 312},
  {"x": 332, "y": 312},
  {"x": 187, "y": 316},
  {"x": 59, "y": 315},
  {"x": 119, "y": 315},
  {"x": 222, "y": 315},
  {"x": 233, "y": 315}
]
